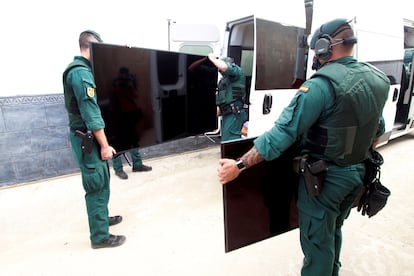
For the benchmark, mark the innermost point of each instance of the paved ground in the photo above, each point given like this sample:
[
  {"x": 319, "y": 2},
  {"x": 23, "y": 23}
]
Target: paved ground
[{"x": 173, "y": 220}]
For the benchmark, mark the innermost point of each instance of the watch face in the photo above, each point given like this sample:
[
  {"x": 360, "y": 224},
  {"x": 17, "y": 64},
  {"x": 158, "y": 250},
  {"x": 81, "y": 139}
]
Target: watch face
[{"x": 240, "y": 165}]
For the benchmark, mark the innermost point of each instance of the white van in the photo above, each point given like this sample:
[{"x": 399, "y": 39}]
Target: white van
[
  {"x": 274, "y": 55},
  {"x": 273, "y": 52}
]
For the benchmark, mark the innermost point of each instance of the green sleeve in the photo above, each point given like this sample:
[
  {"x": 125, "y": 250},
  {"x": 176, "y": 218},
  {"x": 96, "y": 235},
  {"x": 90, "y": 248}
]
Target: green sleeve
[
  {"x": 313, "y": 100},
  {"x": 234, "y": 72},
  {"x": 85, "y": 92},
  {"x": 381, "y": 127}
]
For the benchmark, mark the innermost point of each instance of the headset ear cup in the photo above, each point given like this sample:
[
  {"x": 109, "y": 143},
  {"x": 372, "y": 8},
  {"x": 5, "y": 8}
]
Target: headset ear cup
[{"x": 323, "y": 48}]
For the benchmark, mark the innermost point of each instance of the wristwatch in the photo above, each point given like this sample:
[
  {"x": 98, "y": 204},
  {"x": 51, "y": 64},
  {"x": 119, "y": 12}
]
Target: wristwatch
[{"x": 240, "y": 165}]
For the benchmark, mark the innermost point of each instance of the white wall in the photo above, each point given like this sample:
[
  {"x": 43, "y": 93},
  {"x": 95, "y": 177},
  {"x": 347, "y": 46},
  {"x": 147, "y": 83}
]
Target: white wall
[{"x": 39, "y": 38}]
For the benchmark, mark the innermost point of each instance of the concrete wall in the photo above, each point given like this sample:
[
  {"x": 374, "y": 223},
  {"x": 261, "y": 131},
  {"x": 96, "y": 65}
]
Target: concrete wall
[{"x": 34, "y": 140}]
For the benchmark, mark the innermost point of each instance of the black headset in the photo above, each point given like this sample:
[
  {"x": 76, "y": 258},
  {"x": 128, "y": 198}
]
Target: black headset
[{"x": 323, "y": 46}]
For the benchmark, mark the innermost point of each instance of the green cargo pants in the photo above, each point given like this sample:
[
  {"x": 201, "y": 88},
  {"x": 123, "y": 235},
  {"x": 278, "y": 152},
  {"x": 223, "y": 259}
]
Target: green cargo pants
[
  {"x": 321, "y": 218},
  {"x": 135, "y": 156},
  {"x": 232, "y": 125},
  {"x": 95, "y": 180}
]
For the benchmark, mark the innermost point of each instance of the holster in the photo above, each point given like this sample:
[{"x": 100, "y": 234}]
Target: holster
[
  {"x": 86, "y": 140},
  {"x": 313, "y": 173}
]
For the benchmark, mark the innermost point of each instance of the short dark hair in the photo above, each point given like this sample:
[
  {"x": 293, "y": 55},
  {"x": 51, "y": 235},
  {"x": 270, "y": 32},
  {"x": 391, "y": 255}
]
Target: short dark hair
[
  {"x": 87, "y": 36},
  {"x": 344, "y": 31},
  {"x": 346, "y": 34}
]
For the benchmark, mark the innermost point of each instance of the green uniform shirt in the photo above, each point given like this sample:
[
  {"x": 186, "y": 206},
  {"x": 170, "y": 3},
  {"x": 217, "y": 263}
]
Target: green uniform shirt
[
  {"x": 314, "y": 99},
  {"x": 80, "y": 87},
  {"x": 231, "y": 87},
  {"x": 315, "y": 102}
]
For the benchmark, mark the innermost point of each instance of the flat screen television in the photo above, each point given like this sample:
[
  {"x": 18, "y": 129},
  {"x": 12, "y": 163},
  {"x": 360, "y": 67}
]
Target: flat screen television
[{"x": 150, "y": 96}]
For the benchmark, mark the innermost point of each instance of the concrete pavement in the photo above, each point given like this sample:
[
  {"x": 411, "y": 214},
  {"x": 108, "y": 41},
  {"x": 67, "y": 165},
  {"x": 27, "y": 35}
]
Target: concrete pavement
[{"x": 173, "y": 220}]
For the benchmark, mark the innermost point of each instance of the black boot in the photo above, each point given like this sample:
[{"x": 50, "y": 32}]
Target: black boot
[{"x": 111, "y": 241}]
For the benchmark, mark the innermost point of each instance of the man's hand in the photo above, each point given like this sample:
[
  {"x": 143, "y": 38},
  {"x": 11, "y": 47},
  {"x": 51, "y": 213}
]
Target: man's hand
[
  {"x": 107, "y": 152},
  {"x": 227, "y": 170},
  {"x": 221, "y": 65},
  {"x": 212, "y": 56}
]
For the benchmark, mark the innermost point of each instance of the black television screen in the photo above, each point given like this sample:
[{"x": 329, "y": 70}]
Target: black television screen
[
  {"x": 261, "y": 202},
  {"x": 150, "y": 96}
]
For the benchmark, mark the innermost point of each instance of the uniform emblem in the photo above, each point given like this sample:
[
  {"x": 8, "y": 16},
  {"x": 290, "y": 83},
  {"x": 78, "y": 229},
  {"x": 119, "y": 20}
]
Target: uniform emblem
[
  {"x": 91, "y": 92},
  {"x": 304, "y": 88}
]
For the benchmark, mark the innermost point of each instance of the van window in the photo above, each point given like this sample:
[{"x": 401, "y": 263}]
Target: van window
[
  {"x": 202, "y": 50},
  {"x": 246, "y": 62},
  {"x": 279, "y": 51}
]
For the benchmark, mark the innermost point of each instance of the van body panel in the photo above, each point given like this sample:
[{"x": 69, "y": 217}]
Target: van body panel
[{"x": 272, "y": 54}]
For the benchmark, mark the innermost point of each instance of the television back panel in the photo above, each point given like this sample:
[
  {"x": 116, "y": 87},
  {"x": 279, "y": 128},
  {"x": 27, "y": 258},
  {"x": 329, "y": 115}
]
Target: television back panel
[{"x": 261, "y": 202}]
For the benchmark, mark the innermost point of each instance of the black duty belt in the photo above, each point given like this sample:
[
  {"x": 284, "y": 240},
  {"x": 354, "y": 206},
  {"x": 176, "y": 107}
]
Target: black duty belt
[
  {"x": 233, "y": 108},
  {"x": 80, "y": 129}
]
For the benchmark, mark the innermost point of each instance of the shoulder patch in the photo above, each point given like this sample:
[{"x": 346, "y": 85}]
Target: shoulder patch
[
  {"x": 304, "y": 88},
  {"x": 91, "y": 92}
]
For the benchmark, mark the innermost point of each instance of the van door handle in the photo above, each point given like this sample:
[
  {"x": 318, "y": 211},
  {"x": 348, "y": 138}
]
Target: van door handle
[
  {"x": 267, "y": 104},
  {"x": 395, "y": 95}
]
